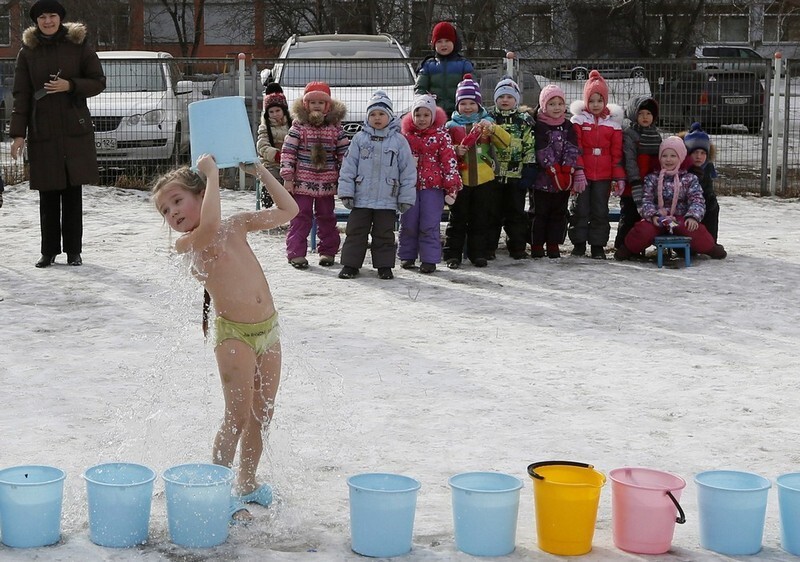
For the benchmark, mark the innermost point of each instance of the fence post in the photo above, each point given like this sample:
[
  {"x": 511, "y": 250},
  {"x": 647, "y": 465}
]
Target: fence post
[
  {"x": 510, "y": 64},
  {"x": 776, "y": 111},
  {"x": 242, "y": 93}
]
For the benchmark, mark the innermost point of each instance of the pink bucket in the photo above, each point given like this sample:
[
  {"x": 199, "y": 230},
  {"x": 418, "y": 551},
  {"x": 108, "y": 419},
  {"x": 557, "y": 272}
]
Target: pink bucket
[{"x": 644, "y": 503}]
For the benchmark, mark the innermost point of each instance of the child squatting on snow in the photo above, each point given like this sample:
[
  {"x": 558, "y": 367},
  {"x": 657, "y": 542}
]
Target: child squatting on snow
[
  {"x": 376, "y": 180},
  {"x": 246, "y": 340},
  {"x": 672, "y": 203}
]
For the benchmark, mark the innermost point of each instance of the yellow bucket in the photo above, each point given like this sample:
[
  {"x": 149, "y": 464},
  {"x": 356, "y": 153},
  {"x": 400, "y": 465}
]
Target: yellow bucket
[{"x": 566, "y": 495}]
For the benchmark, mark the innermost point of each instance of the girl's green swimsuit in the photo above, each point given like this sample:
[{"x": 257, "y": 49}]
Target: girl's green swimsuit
[{"x": 260, "y": 337}]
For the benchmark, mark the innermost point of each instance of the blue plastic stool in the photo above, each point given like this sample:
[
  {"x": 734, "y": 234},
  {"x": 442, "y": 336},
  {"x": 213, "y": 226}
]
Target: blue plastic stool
[{"x": 662, "y": 242}]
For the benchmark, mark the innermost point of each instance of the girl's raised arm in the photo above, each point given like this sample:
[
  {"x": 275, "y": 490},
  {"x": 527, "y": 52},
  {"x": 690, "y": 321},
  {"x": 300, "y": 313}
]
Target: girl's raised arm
[
  {"x": 210, "y": 212},
  {"x": 285, "y": 207}
]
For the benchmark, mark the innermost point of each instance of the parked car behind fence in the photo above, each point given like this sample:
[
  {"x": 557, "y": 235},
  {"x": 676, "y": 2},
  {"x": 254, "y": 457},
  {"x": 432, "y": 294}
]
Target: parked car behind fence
[
  {"x": 141, "y": 118},
  {"x": 354, "y": 66}
]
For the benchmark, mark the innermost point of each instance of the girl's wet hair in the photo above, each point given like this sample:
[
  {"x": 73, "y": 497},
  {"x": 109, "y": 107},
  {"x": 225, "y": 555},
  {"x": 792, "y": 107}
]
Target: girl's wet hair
[{"x": 184, "y": 176}]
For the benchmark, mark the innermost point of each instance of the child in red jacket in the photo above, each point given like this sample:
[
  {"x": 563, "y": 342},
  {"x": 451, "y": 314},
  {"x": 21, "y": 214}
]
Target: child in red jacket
[{"x": 599, "y": 130}]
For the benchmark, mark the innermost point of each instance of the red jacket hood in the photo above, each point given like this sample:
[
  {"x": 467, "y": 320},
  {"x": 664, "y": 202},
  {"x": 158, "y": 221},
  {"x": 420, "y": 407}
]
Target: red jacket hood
[{"x": 407, "y": 122}]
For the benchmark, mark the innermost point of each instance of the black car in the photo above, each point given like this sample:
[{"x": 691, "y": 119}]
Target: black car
[{"x": 713, "y": 98}]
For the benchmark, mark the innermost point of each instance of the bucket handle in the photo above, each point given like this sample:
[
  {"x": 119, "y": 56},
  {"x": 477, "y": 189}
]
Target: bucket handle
[
  {"x": 681, "y": 519},
  {"x": 532, "y": 468}
]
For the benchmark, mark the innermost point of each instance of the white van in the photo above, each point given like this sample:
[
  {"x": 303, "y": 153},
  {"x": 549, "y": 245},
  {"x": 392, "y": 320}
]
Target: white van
[{"x": 142, "y": 115}]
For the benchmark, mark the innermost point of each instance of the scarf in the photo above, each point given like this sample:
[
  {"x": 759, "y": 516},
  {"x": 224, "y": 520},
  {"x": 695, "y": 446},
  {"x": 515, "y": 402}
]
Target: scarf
[
  {"x": 676, "y": 189},
  {"x": 649, "y": 139}
]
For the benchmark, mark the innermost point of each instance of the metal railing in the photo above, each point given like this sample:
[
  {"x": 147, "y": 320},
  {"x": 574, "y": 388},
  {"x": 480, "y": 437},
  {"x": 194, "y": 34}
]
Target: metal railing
[{"x": 142, "y": 131}]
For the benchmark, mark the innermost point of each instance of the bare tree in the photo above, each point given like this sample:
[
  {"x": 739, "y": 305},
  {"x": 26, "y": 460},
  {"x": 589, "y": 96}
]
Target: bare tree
[
  {"x": 186, "y": 17},
  {"x": 659, "y": 28}
]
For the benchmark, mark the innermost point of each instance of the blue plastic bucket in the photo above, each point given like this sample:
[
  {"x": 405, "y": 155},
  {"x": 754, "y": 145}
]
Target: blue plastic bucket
[
  {"x": 789, "y": 503},
  {"x": 732, "y": 506},
  {"x": 382, "y": 510},
  {"x": 485, "y": 509},
  {"x": 119, "y": 496},
  {"x": 198, "y": 504},
  {"x": 30, "y": 505},
  {"x": 220, "y": 126}
]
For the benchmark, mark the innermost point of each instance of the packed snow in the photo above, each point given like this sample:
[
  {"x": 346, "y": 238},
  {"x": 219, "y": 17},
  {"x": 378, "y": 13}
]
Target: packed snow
[{"x": 609, "y": 363}]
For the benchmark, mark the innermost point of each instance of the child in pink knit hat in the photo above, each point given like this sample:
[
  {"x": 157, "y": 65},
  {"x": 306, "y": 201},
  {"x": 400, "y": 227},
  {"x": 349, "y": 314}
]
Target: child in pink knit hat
[
  {"x": 672, "y": 204},
  {"x": 599, "y": 129},
  {"x": 310, "y": 159},
  {"x": 557, "y": 153}
]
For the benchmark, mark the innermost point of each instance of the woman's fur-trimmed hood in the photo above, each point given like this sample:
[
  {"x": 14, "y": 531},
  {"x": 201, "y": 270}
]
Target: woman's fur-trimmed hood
[
  {"x": 334, "y": 117},
  {"x": 76, "y": 33}
]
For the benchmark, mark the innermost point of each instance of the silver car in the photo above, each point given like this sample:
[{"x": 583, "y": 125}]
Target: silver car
[{"x": 354, "y": 66}]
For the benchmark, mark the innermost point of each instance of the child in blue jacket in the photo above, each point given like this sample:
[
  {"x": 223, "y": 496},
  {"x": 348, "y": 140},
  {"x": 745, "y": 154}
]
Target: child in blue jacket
[{"x": 378, "y": 178}]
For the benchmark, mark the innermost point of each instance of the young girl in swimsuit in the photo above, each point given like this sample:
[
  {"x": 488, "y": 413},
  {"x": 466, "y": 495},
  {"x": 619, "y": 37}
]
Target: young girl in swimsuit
[{"x": 246, "y": 341}]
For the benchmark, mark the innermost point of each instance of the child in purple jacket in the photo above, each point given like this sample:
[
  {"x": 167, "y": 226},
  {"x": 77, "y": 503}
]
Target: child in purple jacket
[
  {"x": 672, "y": 204},
  {"x": 557, "y": 155}
]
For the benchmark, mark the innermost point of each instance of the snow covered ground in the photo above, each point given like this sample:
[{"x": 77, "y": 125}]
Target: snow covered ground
[{"x": 614, "y": 364}]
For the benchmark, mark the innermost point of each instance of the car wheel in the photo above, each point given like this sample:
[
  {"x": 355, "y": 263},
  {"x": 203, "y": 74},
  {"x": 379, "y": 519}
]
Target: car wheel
[
  {"x": 753, "y": 125},
  {"x": 637, "y": 72},
  {"x": 580, "y": 73}
]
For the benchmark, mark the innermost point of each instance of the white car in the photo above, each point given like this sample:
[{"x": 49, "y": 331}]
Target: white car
[
  {"x": 142, "y": 115},
  {"x": 735, "y": 58},
  {"x": 339, "y": 61}
]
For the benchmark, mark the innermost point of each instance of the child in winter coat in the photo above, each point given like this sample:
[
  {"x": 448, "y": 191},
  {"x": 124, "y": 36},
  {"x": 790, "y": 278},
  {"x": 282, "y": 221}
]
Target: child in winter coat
[
  {"x": 700, "y": 162},
  {"x": 672, "y": 202},
  {"x": 640, "y": 143},
  {"x": 516, "y": 170},
  {"x": 557, "y": 155},
  {"x": 440, "y": 73},
  {"x": 274, "y": 126},
  {"x": 438, "y": 181},
  {"x": 476, "y": 136},
  {"x": 599, "y": 130},
  {"x": 311, "y": 156},
  {"x": 377, "y": 180}
]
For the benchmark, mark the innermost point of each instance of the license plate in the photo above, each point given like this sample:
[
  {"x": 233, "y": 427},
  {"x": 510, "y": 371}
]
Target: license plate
[
  {"x": 105, "y": 144},
  {"x": 735, "y": 101}
]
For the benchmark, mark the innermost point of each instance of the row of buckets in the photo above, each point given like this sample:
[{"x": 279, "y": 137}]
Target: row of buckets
[
  {"x": 119, "y": 497},
  {"x": 645, "y": 508}
]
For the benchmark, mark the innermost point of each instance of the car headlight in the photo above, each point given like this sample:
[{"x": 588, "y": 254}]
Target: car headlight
[{"x": 153, "y": 117}]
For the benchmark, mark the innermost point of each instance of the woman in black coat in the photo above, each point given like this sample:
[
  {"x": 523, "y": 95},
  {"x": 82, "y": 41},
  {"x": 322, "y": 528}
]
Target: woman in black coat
[{"x": 56, "y": 71}]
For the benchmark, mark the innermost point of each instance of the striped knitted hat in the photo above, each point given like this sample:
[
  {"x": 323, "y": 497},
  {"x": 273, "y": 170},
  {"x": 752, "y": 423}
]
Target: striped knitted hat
[{"x": 468, "y": 89}]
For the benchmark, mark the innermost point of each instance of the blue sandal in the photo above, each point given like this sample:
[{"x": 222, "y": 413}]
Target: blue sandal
[
  {"x": 261, "y": 495},
  {"x": 237, "y": 507}
]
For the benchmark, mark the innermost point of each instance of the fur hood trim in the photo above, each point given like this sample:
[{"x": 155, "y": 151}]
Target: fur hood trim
[
  {"x": 334, "y": 117},
  {"x": 615, "y": 112},
  {"x": 76, "y": 33},
  {"x": 407, "y": 123}
]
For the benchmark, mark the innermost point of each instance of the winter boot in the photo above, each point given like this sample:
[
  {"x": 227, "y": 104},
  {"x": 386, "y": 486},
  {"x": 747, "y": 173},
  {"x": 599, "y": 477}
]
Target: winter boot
[
  {"x": 717, "y": 252},
  {"x": 427, "y": 268},
  {"x": 553, "y": 251},
  {"x": 579, "y": 249},
  {"x": 598, "y": 253},
  {"x": 385, "y": 273},
  {"x": 408, "y": 264},
  {"x": 623, "y": 253},
  {"x": 348, "y": 272},
  {"x": 537, "y": 251}
]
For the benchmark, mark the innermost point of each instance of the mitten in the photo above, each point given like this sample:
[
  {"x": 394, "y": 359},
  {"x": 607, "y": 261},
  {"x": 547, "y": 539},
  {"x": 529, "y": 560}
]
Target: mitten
[
  {"x": 404, "y": 207},
  {"x": 347, "y": 202},
  {"x": 579, "y": 183},
  {"x": 637, "y": 192},
  {"x": 529, "y": 172},
  {"x": 619, "y": 187},
  {"x": 472, "y": 138},
  {"x": 450, "y": 199},
  {"x": 565, "y": 176},
  {"x": 554, "y": 171}
]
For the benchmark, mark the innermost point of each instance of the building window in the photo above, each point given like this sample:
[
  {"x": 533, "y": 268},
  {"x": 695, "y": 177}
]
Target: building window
[
  {"x": 5, "y": 26},
  {"x": 782, "y": 28},
  {"x": 534, "y": 28},
  {"x": 229, "y": 23},
  {"x": 726, "y": 24},
  {"x": 159, "y": 26}
]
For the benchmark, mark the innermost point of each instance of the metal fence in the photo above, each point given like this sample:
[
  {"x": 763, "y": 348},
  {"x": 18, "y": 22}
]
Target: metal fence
[{"x": 141, "y": 123}]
